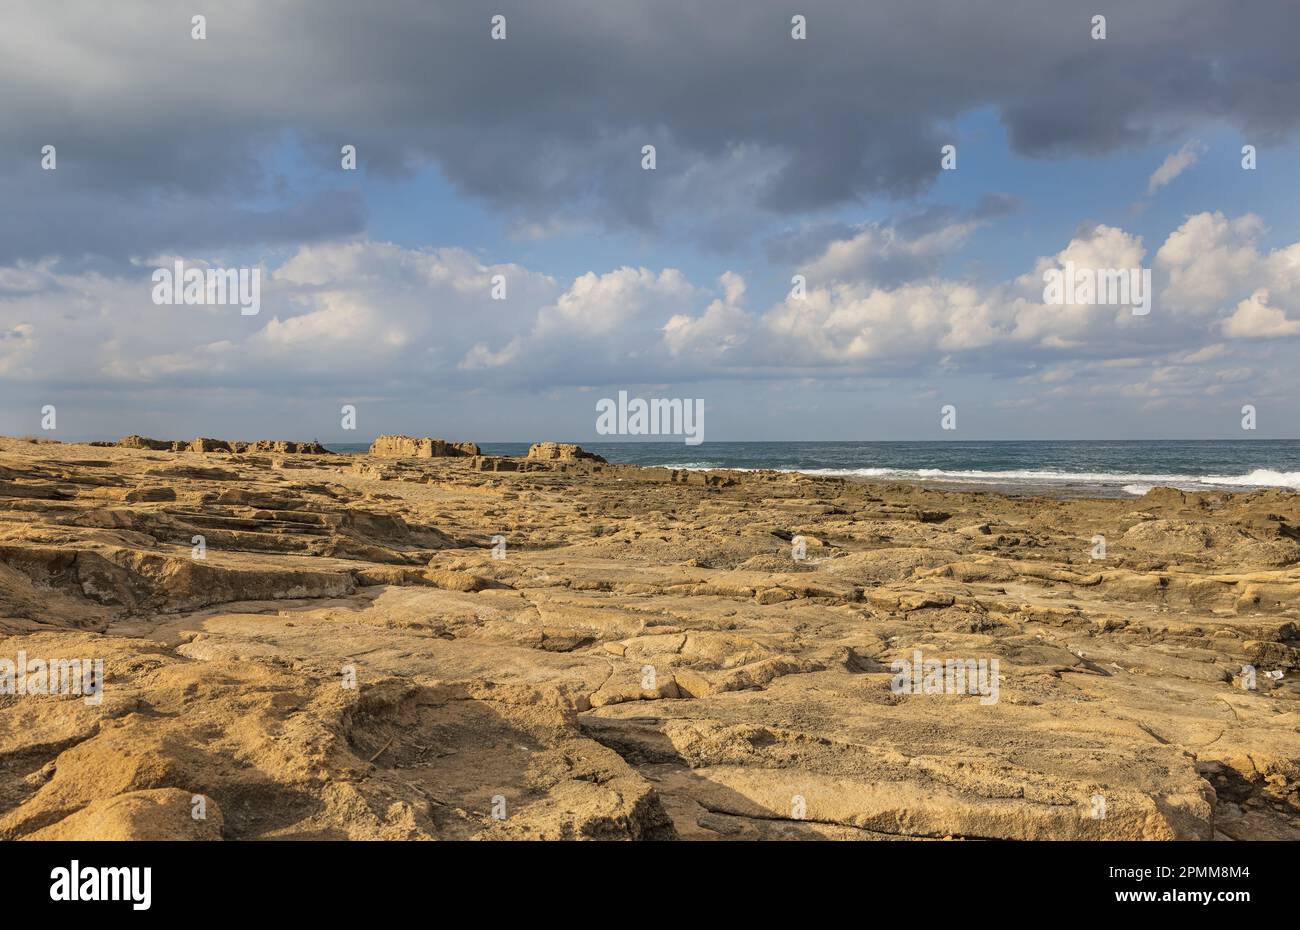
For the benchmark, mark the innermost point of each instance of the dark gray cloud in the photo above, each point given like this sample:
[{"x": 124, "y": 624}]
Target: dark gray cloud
[
  {"x": 547, "y": 126},
  {"x": 105, "y": 229}
]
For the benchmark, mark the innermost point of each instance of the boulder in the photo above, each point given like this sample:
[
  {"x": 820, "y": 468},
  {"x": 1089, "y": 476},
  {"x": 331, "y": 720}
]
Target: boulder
[
  {"x": 135, "y": 441},
  {"x": 408, "y": 447},
  {"x": 561, "y": 451}
]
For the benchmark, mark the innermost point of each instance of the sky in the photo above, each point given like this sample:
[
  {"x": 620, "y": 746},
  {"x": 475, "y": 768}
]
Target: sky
[{"x": 519, "y": 160}]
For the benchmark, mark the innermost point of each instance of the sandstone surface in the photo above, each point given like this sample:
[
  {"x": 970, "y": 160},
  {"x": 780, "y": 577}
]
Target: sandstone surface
[{"x": 362, "y": 647}]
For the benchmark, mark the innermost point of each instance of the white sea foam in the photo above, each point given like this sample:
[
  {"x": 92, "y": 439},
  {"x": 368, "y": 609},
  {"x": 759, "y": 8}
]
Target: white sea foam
[
  {"x": 1259, "y": 478},
  {"x": 1129, "y": 482},
  {"x": 1009, "y": 476}
]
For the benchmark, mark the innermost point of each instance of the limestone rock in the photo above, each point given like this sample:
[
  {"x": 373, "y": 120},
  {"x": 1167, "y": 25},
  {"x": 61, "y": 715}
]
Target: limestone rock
[
  {"x": 203, "y": 444},
  {"x": 283, "y": 446},
  {"x": 407, "y": 447},
  {"x": 562, "y": 451},
  {"x": 438, "y": 647},
  {"x": 144, "y": 442}
]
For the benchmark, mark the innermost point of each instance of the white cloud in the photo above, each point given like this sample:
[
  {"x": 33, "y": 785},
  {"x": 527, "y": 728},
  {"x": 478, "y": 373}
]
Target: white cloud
[
  {"x": 721, "y": 329},
  {"x": 378, "y": 314},
  {"x": 604, "y": 304},
  {"x": 1255, "y": 319},
  {"x": 1071, "y": 325},
  {"x": 1174, "y": 165},
  {"x": 880, "y": 254},
  {"x": 844, "y": 324},
  {"x": 1208, "y": 259},
  {"x": 480, "y": 357},
  {"x": 17, "y": 346}
]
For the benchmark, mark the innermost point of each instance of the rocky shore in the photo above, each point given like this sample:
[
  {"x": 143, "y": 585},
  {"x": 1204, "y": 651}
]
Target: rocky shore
[{"x": 401, "y": 645}]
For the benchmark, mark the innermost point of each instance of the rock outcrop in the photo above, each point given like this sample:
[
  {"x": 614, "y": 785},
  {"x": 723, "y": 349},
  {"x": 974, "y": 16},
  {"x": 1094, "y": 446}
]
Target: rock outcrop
[
  {"x": 282, "y": 446},
  {"x": 408, "y": 447},
  {"x": 135, "y": 441},
  {"x": 383, "y": 648},
  {"x": 561, "y": 451},
  {"x": 204, "y": 444}
]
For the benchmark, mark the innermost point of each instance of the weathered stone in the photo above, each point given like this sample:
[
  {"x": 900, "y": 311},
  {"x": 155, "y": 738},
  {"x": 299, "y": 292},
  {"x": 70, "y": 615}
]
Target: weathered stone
[
  {"x": 407, "y": 447},
  {"x": 393, "y": 649},
  {"x": 562, "y": 451}
]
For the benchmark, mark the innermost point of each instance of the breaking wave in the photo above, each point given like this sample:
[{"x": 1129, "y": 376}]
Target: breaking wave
[{"x": 1131, "y": 483}]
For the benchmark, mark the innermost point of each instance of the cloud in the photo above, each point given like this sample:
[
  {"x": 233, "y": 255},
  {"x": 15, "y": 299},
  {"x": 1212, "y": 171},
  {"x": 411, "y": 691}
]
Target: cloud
[
  {"x": 165, "y": 142},
  {"x": 1067, "y": 326},
  {"x": 912, "y": 245},
  {"x": 853, "y": 321},
  {"x": 1213, "y": 262},
  {"x": 1174, "y": 165},
  {"x": 611, "y": 304},
  {"x": 888, "y": 255},
  {"x": 722, "y": 329},
  {"x": 1255, "y": 319},
  {"x": 380, "y": 317}
]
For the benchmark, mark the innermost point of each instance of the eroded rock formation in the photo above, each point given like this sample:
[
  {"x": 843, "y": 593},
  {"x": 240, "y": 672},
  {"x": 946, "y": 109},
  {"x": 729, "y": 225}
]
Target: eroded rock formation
[
  {"x": 562, "y": 451},
  {"x": 204, "y": 444},
  {"x": 330, "y": 646},
  {"x": 407, "y": 447}
]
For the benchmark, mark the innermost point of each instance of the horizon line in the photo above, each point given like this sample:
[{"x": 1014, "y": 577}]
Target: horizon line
[{"x": 674, "y": 441}]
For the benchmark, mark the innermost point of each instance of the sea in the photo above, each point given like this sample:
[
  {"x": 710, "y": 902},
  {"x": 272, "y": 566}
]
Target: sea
[{"x": 1114, "y": 468}]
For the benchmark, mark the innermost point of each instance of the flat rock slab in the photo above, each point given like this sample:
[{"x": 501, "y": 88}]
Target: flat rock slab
[{"x": 461, "y": 647}]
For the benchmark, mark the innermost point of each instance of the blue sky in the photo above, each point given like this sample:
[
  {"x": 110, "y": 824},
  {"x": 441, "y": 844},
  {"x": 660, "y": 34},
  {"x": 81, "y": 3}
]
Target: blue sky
[
  {"x": 522, "y": 158},
  {"x": 1054, "y": 196}
]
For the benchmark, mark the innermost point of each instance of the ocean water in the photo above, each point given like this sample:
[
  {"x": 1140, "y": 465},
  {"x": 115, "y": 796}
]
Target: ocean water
[{"x": 1110, "y": 468}]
